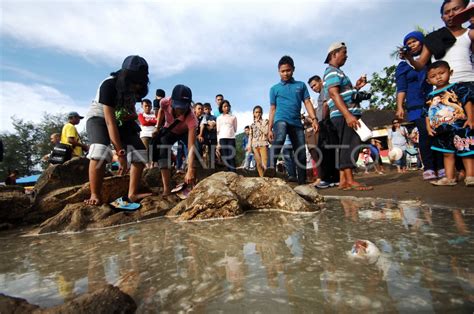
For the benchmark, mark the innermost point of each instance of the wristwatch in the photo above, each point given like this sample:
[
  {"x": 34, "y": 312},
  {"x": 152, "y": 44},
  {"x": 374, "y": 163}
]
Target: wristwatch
[{"x": 121, "y": 152}]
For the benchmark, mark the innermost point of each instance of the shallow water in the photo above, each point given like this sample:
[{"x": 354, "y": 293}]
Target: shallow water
[{"x": 261, "y": 262}]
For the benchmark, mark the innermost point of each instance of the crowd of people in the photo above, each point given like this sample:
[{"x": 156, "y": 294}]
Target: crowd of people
[{"x": 435, "y": 86}]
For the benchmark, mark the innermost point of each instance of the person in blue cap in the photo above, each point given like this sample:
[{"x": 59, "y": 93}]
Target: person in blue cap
[
  {"x": 112, "y": 119},
  {"x": 176, "y": 122},
  {"x": 412, "y": 90}
]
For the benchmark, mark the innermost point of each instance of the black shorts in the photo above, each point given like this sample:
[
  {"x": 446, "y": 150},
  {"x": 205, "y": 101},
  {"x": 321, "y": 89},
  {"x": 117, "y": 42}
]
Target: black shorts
[
  {"x": 349, "y": 143},
  {"x": 99, "y": 138}
]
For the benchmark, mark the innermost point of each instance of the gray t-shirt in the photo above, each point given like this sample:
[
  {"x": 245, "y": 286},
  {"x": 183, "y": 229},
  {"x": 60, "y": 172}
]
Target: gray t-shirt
[
  {"x": 319, "y": 110},
  {"x": 398, "y": 137}
]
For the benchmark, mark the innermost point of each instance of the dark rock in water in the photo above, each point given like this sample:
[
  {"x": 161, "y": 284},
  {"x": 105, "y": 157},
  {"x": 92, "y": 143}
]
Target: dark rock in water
[
  {"x": 15, "y": 305},
  {"x": 14, "y": 204},
  {"x": 109, "y": 299},
  {"x": 72, "y": 172},
  {"x": 80, "y": 216},
  {"x": 226, "y": 194}
]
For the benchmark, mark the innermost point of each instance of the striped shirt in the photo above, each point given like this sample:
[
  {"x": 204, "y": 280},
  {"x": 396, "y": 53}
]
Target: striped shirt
[{"x": 335, "y": 77}]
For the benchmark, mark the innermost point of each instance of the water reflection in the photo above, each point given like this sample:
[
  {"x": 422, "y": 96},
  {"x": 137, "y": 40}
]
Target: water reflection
[{"x": 262, "y": 262}]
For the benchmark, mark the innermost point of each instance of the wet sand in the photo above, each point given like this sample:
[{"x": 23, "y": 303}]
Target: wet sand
[{"x": 410, "y": 186}]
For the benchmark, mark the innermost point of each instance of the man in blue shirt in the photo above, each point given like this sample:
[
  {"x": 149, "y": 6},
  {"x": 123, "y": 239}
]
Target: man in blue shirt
[
  {"x": 344, "y": 114},
  {"x": 285, "y": 117}
]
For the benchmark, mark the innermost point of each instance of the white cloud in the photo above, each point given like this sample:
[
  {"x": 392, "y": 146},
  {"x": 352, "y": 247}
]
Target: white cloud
[
  {"x": 26, "y": 74},
  {"x": 172, "y": 36},
  {"x": 243, "y": 118},
  {"x": 30, "y": 102}
]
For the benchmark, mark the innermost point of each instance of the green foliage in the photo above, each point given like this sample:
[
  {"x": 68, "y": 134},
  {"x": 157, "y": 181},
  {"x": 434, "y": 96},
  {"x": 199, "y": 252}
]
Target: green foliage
[
  {"x": 240, "y": 153},
  {"x": 383, "y": 89},
  {"x": 24, "y": 148}
]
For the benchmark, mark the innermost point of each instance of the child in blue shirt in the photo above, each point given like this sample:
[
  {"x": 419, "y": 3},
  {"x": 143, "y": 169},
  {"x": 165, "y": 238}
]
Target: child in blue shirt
[
  {"x": 450, "y": 119},
  {"x": 285, "y": 117}
]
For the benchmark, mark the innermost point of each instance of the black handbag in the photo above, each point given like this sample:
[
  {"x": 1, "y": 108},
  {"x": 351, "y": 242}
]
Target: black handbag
[{"x": 60, "y": 154}]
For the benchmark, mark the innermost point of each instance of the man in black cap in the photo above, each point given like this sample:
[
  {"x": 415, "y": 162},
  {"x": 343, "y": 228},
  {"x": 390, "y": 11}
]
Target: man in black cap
[{"x": 70, "y": 136}]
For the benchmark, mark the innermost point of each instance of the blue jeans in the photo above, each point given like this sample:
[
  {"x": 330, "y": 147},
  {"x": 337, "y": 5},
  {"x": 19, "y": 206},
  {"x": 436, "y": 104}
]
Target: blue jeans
[
  {"x": 182, "y": 153},
  {"x": 248, "y": 160},
  {"x": 289, "y": 160},
  {"x": 228, "y": 153},
  {"x": 296, "y": 134}
]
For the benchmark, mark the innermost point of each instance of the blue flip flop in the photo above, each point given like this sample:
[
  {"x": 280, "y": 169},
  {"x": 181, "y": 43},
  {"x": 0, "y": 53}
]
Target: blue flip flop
[{"x": 124, "y": 203}]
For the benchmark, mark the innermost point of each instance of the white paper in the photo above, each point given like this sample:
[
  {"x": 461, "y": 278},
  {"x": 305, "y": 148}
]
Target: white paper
[{"x": 363, "y": 131}]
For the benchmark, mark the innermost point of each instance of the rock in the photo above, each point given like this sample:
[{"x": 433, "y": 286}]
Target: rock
[
  {"x": 109, "y": 299},
  {"x": 226, "y": 194},
  {"x": 309, "y": 193},
  {"x": 72, "y": 172},
  {"x": 80, "y": 216},
  {"x": 14, "y": 204},
  {"x": 15, "y": 305},
  {"x": 53, "y": 202},
  {"x": 11, "y": 188},
  {"x": 152, "y": 177}
]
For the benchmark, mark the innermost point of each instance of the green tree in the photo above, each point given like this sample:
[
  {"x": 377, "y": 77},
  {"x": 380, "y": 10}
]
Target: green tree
[
  {"x": 240, "y": 153},
  {"x": 29, "y": 143},
  {"x": 383, "y": 89},
  {"x": 20, "y": 148},
  {"x": 10, "y": 158}
]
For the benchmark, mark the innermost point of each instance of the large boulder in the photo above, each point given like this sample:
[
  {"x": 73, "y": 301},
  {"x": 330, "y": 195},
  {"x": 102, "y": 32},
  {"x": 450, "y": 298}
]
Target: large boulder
[
  {"x": 80, "y": 216},
  {"x": 226, "y": 194},
  {"x": 53, "y": 202},
  {"x": 72, "y": 172},
  {"x": 14, "y": 204},
  {"x": 109, "y": 299},
  {"x": 10, "y": 304}
]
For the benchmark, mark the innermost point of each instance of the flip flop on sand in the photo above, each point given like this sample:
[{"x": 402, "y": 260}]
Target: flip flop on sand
[{"x": 124, "y": 203}]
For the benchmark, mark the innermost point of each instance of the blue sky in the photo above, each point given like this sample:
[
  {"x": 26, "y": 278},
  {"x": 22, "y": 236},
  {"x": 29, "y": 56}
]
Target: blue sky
[{"x": 53, "y": 54}]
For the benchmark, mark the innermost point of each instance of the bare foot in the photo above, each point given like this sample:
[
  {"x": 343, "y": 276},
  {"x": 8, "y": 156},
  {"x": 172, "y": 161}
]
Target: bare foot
[
  {"x": 93, "y": 200},
  {"x": 359, "y": 186},
  {"x": 138, "y": 197}
]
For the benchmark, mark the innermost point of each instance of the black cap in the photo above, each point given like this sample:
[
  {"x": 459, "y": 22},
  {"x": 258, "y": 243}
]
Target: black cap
[
  {"x": 181, "y": 97},
  {"x": 135, "y": 63},
  {"x": 160, "y": 93},
  {"x": 73, "y": 114}
]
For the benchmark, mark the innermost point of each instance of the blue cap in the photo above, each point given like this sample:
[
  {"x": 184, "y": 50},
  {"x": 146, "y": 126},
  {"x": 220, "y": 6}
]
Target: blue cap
[
  {"x": 135, "y": 63},
  {"x": 416, "y": 34},
  {"x": 181, "y": 97}
]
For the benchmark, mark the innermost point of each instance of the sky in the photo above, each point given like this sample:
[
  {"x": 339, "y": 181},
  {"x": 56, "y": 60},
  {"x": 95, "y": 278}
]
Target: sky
[{"x": 54, "y": 54}]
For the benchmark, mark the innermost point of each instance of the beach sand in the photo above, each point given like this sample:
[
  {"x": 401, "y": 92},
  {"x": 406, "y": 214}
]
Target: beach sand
[{"x": 410, "y": 186}]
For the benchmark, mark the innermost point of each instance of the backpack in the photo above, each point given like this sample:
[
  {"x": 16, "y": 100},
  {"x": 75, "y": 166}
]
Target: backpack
[{"x": 60, "y": 154}]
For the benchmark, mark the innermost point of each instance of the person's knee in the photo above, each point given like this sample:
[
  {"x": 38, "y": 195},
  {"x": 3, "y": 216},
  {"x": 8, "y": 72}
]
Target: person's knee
[
  {"x": 138, "y": 156},
  {"x": 100, "y": 152}
]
